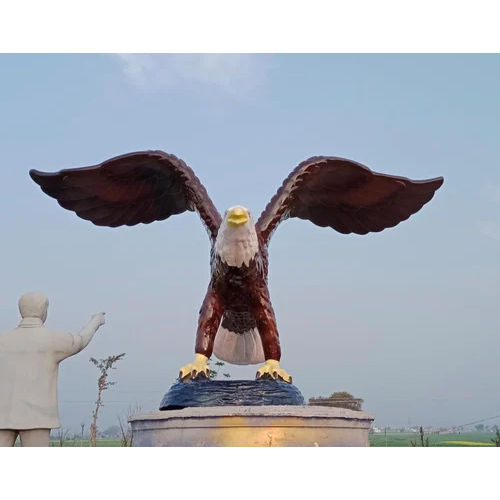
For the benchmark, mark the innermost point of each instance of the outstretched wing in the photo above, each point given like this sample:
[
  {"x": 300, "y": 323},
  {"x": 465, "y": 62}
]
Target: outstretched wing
[
  {"x": 345, "y": 196},
  {"x": 126, "y": 190}
]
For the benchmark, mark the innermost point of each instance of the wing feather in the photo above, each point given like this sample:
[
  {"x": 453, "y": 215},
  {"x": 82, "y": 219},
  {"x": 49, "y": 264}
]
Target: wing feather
[
  {"x": 130, "y": 189},
  {"x": 346, "y": 196}
]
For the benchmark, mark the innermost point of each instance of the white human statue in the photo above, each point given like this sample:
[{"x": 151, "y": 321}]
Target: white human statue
[{"x": 29, "y": 361}]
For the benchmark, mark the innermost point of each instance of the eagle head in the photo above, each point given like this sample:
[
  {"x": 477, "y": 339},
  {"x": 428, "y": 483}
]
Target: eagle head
[{"x": 237, "y": 242}]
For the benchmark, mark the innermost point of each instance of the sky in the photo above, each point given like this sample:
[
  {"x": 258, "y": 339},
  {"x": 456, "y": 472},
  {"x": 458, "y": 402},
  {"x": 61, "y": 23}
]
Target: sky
[{"x": 406, "y": 319}]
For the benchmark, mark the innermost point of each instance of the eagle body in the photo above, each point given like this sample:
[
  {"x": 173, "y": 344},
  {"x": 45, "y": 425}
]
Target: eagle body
[
  {"x": 237, "y": 321},
  {"x": 237, "y": 288},
  {"x": 239, "y": 279}
]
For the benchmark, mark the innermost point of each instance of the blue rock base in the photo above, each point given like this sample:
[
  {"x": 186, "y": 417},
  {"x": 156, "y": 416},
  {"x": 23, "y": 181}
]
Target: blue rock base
[{"x": 206, "y": 392}]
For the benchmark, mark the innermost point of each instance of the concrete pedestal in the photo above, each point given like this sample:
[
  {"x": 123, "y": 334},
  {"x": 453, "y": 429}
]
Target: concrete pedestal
[{"x": 252, "y": 426}]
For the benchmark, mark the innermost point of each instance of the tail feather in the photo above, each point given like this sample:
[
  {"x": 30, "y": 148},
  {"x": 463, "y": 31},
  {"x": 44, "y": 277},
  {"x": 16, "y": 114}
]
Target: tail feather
[{"x": 239, "y": 348}]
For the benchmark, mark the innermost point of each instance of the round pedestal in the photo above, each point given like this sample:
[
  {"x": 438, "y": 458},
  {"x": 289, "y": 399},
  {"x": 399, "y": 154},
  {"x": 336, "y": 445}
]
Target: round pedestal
[{"x": 252, "y": 426}]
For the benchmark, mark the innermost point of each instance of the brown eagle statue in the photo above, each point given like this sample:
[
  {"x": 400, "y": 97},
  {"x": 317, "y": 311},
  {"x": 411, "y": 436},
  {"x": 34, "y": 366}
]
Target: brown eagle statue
[{"x": 237, "y": 321}]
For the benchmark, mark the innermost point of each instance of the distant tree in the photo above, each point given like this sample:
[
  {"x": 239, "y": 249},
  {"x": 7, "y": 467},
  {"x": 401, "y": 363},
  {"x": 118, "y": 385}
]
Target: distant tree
[
  {"x": 496, "y": 439},
  {"x": 126, "y": 435},
  {"x": 340, "y": 399},
  {"x": 341, "y": 395},
  {"x": 423, "y": 442},
  {"x": 422, "y": 437},
  {"x": 125, "y": 429},
  {"x": 104, "y": 365},
  {"x": 62, "y": 434},
  {"x": 113, "y": 431},
  {"x": 479, "y": 427}
]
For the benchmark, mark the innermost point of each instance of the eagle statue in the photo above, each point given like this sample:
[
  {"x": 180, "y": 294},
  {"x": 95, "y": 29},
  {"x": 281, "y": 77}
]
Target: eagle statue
[{"x": 237, "y": 321}]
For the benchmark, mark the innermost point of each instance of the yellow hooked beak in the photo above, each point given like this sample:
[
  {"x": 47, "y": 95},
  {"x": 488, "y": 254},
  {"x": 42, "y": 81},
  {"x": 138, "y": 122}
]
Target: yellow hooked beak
[{"x": 237, "y": 216}]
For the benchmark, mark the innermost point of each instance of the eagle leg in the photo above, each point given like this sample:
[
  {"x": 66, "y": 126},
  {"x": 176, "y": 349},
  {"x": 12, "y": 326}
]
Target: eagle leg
[
  {"x": 268, "y": 330},
  {"x": 271, "y": 370},
  {"x": 198, "y": 368},
  {"x": 208, "y": 323}
]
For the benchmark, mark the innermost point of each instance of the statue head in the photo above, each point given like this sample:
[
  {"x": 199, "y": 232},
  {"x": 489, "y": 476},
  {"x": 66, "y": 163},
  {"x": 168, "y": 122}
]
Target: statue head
[{"x": 34, "y": 305}]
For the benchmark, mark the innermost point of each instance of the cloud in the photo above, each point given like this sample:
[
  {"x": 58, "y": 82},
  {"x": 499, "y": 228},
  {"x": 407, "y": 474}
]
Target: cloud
[{"x": 237, "y": 74}]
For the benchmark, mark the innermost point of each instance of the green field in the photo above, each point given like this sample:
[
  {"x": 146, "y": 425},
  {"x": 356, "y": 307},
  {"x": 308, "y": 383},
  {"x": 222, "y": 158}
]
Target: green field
[
  {"x": 85, "y": 443},
  {"x": 457, "y": 439}
]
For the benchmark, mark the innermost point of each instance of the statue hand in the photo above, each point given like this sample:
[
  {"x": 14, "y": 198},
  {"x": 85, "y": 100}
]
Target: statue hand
[{"x": 99, "y": 317}]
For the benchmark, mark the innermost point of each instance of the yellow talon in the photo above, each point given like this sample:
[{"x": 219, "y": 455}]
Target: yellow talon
[
  {"x": 271, "y": 369},
  {"x": 199, "y": 367}
]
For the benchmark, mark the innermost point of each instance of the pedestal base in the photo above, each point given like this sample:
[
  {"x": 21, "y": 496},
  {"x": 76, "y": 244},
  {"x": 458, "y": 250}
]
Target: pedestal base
[
  {"x": 210, "y": 393},
  {"x": 252, "y": 426}
]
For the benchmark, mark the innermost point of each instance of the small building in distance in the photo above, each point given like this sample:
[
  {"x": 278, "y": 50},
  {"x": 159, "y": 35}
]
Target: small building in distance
[{"x": 338, "y": 399}]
